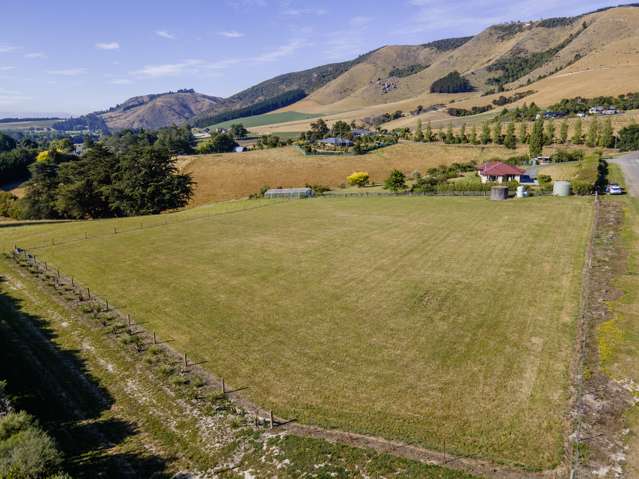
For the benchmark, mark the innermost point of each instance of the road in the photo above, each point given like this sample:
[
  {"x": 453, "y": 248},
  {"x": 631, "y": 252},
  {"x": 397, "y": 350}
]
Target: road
[{"x": 629, "y": 163}]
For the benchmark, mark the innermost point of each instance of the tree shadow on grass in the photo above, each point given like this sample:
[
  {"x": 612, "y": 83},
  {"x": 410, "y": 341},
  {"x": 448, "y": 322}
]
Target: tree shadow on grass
[{"x": 55, "y": 386}]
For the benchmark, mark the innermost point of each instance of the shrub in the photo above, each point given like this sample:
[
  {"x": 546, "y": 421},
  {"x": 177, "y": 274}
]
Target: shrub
[
  {"x": 582, "y": 188},
  {"x": 358, "y": 178},
  {"x": 396, "y": 181},
  {"x": 562, "y": 156},
  {"x": 629, "y": 138},
  {"x": 25, "y": 450}
]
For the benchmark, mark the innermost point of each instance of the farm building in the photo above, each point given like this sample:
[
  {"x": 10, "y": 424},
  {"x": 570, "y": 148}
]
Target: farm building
[
  {"x": 337, "y": 142},
  {"x": 289, "y": 193},
  {"x": 359, "y": 132},
  {"x": 498, "y": 172}
]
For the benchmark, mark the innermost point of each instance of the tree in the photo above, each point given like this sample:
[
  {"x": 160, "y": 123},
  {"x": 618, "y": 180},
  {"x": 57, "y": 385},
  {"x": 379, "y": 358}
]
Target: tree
[
  {"x": 549, "y": 136},
  {"x": 510, "y": 140},
  {"x": 359, "y": 179},
  {"x": 62, "y": 145},
  {"x": 147, "y": 182},
  {"x": 536, "y": 144},
  {"x": 396, "y": 181},
  {"x": 473, "y": 135},
  {"x": 485, "y": 133},
  {"x": 178, "y": 140},
  {"x": 523, "y": 132},
  {"x": 497, "y": 133},
  {"x": 7, "y": 143},
  {"x": 341, "y": 129},
  {"x": 39, "y": 200},
  {"x": 577, "y": 135},
  {"x": 451, "y": 83},
  {"x": 629, "y": 138},
  {"x": 429, "y": 132},
  {"x": 462, "y": 134},
  {"x": 450, "y": 137},
  {"x": 563, "y": 132},
  {"x": 319, "y": 129},
  {"x": 237, "y": 130},
  {"x": 593, "y": 133},
  {"x": 219, "y": 143},
  {"x": 607, "y": 137},
  {"x": 419, "y": 134}
]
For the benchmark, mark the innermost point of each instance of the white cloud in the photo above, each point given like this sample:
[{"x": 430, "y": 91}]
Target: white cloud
[
  {"x": 7, "y": 48},
  {"x": 281, "y": 51},
  {"x": 9, "y": 97},
  {"x": 7, "y": 68},
  {"x": 107, "y": 46},
  {"x": 169, "y": 69},
  {"x": 297, "y": 12},
  {"x": 165, "y": 34},
  {"x": 34, "y": 55},
  {"x": 231, "y": 34},
  {"x": 68, "y": 72},
  {"x": 121, "y": 81}
]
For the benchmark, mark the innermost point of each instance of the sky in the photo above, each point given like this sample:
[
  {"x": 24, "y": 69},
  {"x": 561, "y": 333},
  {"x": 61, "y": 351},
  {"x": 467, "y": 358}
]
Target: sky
[{"x": 74, "y": 57}]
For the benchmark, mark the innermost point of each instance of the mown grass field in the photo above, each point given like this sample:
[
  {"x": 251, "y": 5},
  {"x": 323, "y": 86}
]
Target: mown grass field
[
  {"x": 266, "y": 119},
  {"x": 444, "y": 322},
  {"x": 232, "y": 175}
]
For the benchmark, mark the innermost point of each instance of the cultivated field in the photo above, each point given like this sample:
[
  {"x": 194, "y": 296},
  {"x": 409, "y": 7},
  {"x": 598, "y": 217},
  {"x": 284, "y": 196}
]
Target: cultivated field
[
  {"x": 232, "y": 175},
  {"x": 445, "y": 322},
  {"x": 266, "y": 119}
]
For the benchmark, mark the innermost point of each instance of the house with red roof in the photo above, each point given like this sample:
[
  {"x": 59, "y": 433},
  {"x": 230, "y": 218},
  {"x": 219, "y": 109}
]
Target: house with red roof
[{"x": 498, "y": 172}]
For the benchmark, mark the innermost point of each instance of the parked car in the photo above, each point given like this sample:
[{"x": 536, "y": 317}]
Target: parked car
[{"x": 614, "y": 189}]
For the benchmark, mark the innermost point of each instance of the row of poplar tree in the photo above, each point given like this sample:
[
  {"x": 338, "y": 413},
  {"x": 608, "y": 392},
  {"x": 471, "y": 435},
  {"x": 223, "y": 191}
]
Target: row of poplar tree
[{"x": 543, "y": 132}]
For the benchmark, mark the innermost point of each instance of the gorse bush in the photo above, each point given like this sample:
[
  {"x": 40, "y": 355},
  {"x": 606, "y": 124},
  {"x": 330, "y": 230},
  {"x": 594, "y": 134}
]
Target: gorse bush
[{"x": 25, "y": 450}]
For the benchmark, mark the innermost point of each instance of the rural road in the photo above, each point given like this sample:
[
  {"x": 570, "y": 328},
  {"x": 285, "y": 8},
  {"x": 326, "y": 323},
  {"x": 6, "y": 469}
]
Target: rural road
[{"x": 629, "y": 163}]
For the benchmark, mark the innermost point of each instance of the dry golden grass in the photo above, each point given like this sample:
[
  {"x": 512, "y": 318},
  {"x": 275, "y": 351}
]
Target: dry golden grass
[
  {"x": 560, "y": 172},
  {"x": 231, "y": 176}
]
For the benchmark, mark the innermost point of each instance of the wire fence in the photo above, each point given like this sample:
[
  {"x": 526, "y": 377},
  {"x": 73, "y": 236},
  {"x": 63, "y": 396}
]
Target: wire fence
[
  {"x": 584, "y": 326},
  {"x": 135, "y": 337}
]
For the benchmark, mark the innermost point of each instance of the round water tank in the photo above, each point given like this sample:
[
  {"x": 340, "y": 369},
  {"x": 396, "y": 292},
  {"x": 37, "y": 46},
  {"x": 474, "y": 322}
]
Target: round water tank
[
  {"x": 521, "y": 192},
  {"x": 499, "y": 193},
  {"x": 561, "y": 188}
]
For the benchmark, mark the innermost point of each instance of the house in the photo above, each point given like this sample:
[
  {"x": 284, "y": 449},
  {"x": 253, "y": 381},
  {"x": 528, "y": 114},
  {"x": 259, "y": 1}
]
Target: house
[
  {"x": 498, "y": 172},
  {"x": 337, "y": 142},
  {"x": 240, "y": 149},
  {"x": 603, "y": 110},
  {"x": 596, "y": 110},
  {"x": 359, "y": 132},
  {"x": 290, "y": 193},
  {"x": 610, "y": 111}
]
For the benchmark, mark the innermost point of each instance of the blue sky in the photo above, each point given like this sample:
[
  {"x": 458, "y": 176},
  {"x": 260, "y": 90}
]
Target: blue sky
[{"x": 79, "y": 56}]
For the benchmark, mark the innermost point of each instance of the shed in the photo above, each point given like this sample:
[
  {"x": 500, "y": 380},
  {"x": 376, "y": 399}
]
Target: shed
[
  {"x": 290, "y": 193},
  {"x": 240, "y": 149}
]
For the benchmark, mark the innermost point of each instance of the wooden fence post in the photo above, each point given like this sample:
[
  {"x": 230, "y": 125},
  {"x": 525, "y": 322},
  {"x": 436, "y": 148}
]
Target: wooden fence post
[
  {"x": 223, "y": 387},
  {"x": 186, "y": 362},
  {"x": 154, "y": 339},
  {"x": 270, "y": 413}
]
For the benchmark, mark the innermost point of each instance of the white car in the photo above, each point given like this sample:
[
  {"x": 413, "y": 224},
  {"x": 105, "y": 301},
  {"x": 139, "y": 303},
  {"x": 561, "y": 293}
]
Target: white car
[{"x": 614, "y": 189}]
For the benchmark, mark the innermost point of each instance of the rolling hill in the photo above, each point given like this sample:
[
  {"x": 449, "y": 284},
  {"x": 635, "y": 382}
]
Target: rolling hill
[{"x": 589, "y": 54}]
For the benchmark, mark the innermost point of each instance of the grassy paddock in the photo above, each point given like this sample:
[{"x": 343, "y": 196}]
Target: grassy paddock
[
  {"x": 232, "y": 175},
  {"x": 266, "y": 119},
  {"x": 445, "y": 322}
]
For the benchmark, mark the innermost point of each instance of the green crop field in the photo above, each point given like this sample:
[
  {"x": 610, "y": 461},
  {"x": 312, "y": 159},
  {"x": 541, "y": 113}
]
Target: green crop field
[
  {"x": 267, "y": 119},
  {"x": 443, "y": 322}
]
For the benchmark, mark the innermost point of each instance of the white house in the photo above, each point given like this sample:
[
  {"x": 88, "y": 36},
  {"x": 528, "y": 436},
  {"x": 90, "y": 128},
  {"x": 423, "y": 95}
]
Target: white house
[{"x": 498, "y": 172}]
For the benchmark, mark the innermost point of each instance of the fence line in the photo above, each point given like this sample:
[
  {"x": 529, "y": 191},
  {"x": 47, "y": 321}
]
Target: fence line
[
  {"x": 584, "y": 325},
  {"x": 261, "y": 417},
  {"x": 119, "y": 323},
  {"x": 85, "y": 236}
]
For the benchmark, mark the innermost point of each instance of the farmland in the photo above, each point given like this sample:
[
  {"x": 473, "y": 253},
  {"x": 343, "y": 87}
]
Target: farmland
[
  {"x": 232, "y": 176},
  {"x": 266, "y": 119},
  {"x": 368, "y": 315}
]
